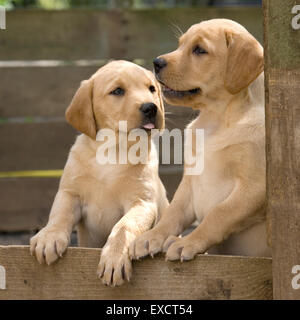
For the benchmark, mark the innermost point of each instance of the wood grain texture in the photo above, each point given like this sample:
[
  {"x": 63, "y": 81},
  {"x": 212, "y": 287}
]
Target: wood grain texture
[
  {"x": 74, "y": 277},
  {"x": 283, "y": 41},
  {"x": 103, "y": 34},
  {"x": 282, "y": 142},
  {"x": 26, "y": 203},
  {"x": 35, "y": 146},
  {"x": 40, "y": 91}
]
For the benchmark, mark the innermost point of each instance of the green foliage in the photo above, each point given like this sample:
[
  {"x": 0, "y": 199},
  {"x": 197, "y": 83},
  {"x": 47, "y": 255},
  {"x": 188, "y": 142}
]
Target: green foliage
[
  {"x": 5, "y": 3},
  {"x": 54, "y": 4},
  {"x": 18, "y": 3}
]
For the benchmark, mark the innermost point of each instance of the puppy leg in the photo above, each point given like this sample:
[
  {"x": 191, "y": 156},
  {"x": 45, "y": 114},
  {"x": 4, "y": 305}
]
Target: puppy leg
[
  {"x": 176, "y": 217},
  {"x": 226, "y": 218},
  {"x": 115, "y": 265},
  {"x": 51, "y": 242}
]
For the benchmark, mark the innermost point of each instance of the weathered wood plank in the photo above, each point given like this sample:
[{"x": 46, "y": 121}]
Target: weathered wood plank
[
  {"x": 39, "y": 91},
  {"x": 282, "y": 45},
  {"x": 282, "y": 41},
  {"x": 26, "y": 203},
  {"x": 74, "y": 277},
  {"x": 100, "y": 34},
  {"x": 35, "y": 146}
]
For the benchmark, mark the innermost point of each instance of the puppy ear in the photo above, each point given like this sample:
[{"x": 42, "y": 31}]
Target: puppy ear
[
  {"x": 245, "y": 61},
  {"x": 80, "y": 112}
]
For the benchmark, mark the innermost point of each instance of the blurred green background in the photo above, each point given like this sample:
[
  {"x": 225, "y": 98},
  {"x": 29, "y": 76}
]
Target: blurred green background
[{"x": 112, "y": 4}]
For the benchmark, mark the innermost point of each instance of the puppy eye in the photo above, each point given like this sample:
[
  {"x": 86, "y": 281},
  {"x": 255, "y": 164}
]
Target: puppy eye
[
  {"x": 198, "y": 50},
  {"x": 118, "y": 92},
  {"x": 152, "y": 89}
]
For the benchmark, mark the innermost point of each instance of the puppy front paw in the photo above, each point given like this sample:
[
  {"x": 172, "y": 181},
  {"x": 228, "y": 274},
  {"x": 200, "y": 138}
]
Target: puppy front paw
[
  {"x": 183, "y": 249},
  {"x": 114, "y": 268},
  {"x": 48, "y": 245},
  {"x": 149, "y": 243}
]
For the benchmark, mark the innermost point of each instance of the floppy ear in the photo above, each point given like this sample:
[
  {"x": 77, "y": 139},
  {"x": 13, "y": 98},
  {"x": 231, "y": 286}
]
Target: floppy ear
[
  {"x": 80, "y": 112},
  {"x": 245, "y": 61}
]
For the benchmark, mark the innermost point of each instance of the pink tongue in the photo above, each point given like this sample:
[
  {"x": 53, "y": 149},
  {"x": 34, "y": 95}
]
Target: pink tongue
[{"x": 148, "y": 126}]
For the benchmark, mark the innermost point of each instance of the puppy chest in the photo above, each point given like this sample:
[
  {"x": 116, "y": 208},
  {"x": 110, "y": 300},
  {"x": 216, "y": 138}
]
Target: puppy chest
[
  {"x": 100, "y": 204},
  {"x": 208, "y": 190},
  {"x": 100, "y": 216}
]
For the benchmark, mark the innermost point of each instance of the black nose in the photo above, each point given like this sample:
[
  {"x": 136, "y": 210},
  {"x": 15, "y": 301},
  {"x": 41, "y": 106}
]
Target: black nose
[
  {"x": 159, "y": 63},
  {"x": 149, "y": 110}
]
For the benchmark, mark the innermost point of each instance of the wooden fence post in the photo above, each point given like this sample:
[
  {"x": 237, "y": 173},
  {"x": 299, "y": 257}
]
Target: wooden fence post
[{"x": 282, "y": 62}]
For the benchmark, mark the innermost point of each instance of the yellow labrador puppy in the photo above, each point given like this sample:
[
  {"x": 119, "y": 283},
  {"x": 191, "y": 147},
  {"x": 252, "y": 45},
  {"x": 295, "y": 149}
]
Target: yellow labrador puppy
[
  {"x": 218, "y": 69},
  {"x": 110, "y": 203}
]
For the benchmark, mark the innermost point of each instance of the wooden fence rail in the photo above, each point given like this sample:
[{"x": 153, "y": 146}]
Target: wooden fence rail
[
  {"x": 74, "y": 277},
  {"x": 101, "y": 34}
]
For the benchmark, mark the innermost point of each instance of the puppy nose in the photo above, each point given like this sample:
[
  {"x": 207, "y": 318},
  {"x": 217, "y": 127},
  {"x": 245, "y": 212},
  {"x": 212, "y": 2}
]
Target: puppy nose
[
  {"x": 149, "y": 110},
  {"x": 159, "y": 63}
]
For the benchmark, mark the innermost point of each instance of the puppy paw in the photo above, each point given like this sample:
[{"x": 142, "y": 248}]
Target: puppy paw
[
  {"x": 148, "y": 243},
  {"x": 48, "y": 245},
  {"x": 114, "y": 268},
  {"x": 183, "y": 249}
]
